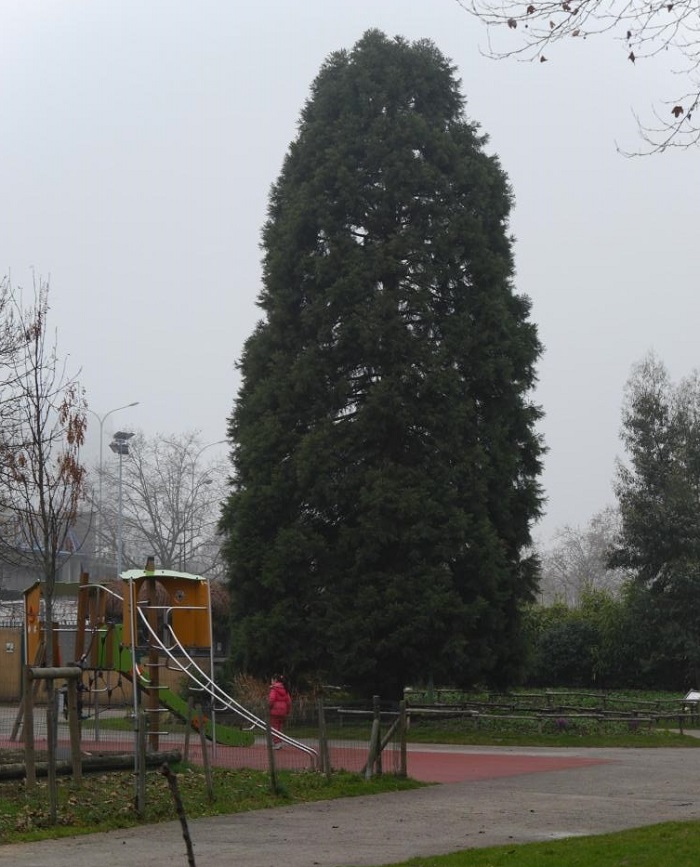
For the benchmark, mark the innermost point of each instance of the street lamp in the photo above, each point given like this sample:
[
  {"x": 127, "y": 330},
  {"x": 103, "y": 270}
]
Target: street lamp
[
  {"x": 120, "y": 446},
  {"x": 192, "y": 488},
  {"x": 101, "y": 419}
]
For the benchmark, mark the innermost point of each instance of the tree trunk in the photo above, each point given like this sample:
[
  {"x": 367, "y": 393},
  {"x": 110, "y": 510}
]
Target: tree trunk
[{"x": 51, "y": 721}]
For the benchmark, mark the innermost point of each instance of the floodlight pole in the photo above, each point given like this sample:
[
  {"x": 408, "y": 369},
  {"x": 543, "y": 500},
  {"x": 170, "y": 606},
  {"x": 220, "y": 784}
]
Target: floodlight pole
[
  {"x": 120, "y": 446},
  {"x": 101, "y": 419}
]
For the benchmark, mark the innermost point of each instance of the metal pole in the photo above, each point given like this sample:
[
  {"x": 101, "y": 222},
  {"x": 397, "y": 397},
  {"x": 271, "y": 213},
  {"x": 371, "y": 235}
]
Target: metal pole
[
  {"x": 187, "y": 560},
  {"x": 119, "y": 519},
  {"x": 100, "y": 502}
]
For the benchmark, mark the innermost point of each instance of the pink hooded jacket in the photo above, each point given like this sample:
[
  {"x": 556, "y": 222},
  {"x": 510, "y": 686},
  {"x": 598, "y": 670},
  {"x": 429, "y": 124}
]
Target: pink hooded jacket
[{"x": 279, "y": 700}]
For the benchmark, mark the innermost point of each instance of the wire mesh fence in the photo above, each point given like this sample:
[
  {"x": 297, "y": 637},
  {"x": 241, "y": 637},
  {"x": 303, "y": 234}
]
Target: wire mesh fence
[{"x": 108, "y": 728}]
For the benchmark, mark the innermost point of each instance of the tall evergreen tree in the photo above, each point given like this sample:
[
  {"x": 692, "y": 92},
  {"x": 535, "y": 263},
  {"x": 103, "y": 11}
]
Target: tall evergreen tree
[
  {"x": 659, "y": 489},
  {"x": 659, "y": 502},
  {"x": 385, "y": 452}
]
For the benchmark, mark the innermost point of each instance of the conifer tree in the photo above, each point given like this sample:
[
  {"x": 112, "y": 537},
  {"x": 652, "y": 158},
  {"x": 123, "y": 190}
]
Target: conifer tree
[{"x": 384, "y": 444}]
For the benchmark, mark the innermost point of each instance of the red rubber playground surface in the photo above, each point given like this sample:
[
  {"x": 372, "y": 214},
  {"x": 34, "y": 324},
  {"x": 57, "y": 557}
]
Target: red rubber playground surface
[
  {"x": 446, "y": 767},
  {"x": 429, "y": 765}
]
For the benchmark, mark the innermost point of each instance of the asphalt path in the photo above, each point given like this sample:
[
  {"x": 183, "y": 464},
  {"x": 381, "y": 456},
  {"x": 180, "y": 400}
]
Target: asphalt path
[{"x": 503, "y": 796}]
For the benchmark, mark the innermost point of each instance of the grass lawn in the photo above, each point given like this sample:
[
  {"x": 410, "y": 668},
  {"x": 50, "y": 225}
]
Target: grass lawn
[
  {"x": 106, "y": 801},
  {"x": 673, "y": 844},
  {"x": 495, "y": 735},
  {"x": 617, "y": 738}
]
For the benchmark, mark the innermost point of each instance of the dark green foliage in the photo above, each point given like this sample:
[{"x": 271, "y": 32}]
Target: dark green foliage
[
  {"x": 563, "y": 643},
  {"x": 649, "y": 636},
  {"x": 385, "y": 456},
  {"x": 660, "y": 519},
  {"x": 658, "y": 491},
  {"x": 566, "y": 654},
  {"x": 664, "y": 632},
  {"x": 643, "y": 639}
]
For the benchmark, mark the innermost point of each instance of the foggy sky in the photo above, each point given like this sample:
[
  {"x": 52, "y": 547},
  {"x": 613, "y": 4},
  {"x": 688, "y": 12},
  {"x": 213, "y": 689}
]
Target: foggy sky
[{"x": 138, "y": 143}]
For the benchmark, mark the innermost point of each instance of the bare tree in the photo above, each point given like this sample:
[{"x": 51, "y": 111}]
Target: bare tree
[
  {"x": 577, "y": 561},
  {"x": 171, "y": 500},
  {"x": 41, "y": 477},
  {"x": 645, "y": 29}
]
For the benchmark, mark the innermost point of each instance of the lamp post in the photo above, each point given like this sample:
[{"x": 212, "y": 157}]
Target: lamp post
[
  {"x": 101, "y": 419},
  {"x": 192, "y": 488},
  {"x": 120, "y": 446}
]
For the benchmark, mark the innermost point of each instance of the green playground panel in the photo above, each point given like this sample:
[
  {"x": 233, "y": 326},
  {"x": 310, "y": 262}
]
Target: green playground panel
[{"x": 123, "y": 662}]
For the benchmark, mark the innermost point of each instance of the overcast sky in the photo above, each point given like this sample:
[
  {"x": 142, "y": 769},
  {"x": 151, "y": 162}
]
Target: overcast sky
[{"x": 138, "y": 142}]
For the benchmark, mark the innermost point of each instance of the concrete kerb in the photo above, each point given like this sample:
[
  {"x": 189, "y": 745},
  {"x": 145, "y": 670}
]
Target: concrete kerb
[{"x": 631, "y": 788}]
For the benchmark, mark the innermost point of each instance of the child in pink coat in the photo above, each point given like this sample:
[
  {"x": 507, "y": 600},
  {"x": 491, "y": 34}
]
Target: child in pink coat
[{"x": 280, "y": 703}]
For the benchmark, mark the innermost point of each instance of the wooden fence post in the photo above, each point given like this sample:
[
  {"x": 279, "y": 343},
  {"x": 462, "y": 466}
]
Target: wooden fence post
[
  {"x": 74, "y": 729},
  {"x": 373, "y": 740},
  {"x": 205, "y": 753},
  {"x": 324, "y": 755},
  {"x": 403, "y": 731},
  {"x": 271, "y": 758},
  {"x": 188, "y": 729},
  {"x": 28, "y": 730},
  {"x": 141, "y": 762}
]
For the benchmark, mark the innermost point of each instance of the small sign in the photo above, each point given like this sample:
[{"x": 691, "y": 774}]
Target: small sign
[{"x": 9, "y": 647}]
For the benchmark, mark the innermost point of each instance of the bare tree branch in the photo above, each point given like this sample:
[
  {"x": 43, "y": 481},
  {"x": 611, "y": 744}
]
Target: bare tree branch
[
  {"x": 41, "y": 478},
  {"x": 576, "y": 563},
  {"x": 170, "y": 503},
  {"x": 644, "y": 29}
]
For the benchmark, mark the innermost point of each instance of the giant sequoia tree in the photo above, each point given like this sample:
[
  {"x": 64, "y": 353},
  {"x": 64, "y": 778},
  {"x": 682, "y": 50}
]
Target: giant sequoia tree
[{"x": 385, "y": 453}]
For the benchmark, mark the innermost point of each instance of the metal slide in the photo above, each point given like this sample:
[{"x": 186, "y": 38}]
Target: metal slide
[{"x": 183, "y": 662}]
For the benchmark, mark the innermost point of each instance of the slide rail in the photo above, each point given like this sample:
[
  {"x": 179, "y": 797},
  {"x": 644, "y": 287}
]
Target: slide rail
[{"x": 182, "y": 661}]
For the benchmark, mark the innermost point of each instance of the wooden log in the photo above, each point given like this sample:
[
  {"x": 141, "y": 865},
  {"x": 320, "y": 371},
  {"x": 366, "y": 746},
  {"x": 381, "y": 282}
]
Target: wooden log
[{"x": 102, "y": 762}]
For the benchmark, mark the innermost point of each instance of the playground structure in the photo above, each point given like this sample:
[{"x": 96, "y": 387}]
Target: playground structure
[{"x": 164, "y": 637}]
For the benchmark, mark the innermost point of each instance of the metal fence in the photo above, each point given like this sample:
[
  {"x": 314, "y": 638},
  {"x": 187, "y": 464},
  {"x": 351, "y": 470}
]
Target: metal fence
[{"x": 362, "y": 738}]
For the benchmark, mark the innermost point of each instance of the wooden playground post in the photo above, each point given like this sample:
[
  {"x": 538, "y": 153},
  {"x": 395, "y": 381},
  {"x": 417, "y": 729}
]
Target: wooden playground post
[
  {"x": 39, "y": 658},
  {"x": 81, "y": 616},
  {"x": 153, "y": 663},
  {"x": 71, "y": 674}
]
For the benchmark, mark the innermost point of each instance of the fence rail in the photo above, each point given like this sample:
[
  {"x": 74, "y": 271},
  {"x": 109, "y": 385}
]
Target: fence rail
[{"x": 561, "y": 717}]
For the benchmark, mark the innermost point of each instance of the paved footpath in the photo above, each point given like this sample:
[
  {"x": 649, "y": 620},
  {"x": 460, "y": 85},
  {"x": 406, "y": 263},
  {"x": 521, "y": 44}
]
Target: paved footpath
[{"x": 627, "y": 788}]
